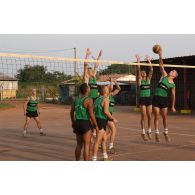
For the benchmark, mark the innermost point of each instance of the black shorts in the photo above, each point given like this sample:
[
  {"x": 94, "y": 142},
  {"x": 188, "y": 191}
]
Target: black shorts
[
  {"x": 82, "y": 126},
  {"x": 32, "y": 114},
  {"x": 102, "y": 123},
  {"x": 160, "y": 102},
  {"x": 145, "y": 101}
]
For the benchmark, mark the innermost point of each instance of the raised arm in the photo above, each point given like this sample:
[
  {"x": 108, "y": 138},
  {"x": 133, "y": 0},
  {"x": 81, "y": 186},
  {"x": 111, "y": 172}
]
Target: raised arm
[
  {"x": 151, "y": 68},
  {"x": 138, "y": 57},
  {"x": 117, "y": 90},
  {"x": 91, "y": 113},
  {"x": 85, "y": 75},
  {"x": 96, "y": 65},
  {"x": 173, "y": 99},
  {"x": 25, "y": 104},
  {"x": 162, "y": 69},
  {"x": 106, "y": 110}
]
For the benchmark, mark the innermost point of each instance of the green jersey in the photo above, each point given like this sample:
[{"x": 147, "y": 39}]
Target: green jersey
[
  {"x": 112, "y": 104},
  {"x": 163, "y": 87},
  {"x": 145, "y": 88},
  {"x": 93, "y": 88},
  {"x": 32, "y": 104},
  {"x": 81, "y": 113},
  {"x": 99, "y": 109}
]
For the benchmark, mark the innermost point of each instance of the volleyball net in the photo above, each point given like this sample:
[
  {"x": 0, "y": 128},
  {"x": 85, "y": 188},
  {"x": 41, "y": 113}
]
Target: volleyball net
[{"x": 57, "y": 78}]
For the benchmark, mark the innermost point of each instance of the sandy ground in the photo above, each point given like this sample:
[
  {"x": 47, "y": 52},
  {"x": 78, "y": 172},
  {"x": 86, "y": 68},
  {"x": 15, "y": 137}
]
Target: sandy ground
[{"x": 60, "y": 142}]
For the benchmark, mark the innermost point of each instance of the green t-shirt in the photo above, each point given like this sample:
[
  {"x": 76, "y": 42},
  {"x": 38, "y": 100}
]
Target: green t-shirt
[
  {"x": 112, "y": 104},
  {"x": 93, "y": 88},
  {"x": 163, "y": 87},
  {"x": 145, "y": 88},
  {"x": 99, "y": 110},
  {"x": 32, "y": 104},
  {"x": 81, "y": 113}
]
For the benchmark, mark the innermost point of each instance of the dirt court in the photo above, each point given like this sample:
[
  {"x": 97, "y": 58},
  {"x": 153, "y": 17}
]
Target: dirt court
[{"x": 60, "y": 142}]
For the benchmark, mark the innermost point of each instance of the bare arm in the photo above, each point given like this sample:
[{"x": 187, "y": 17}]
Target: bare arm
[
  {"x": 151, "y": 68},
  {"x": 117, "y": 90},
  {"x": 85, "y": 75},
  {"x": 162, "y": 69},
  {"x": 138, "y": 68},
  {"x": 106, "y": 109},
  {"x": 173, "y": 99},
  {"x": 72, "y": 110},
  {"x": 92, "y": 116},
  {"x": 96, "y": 65},
  {"x": 25, "y": 104}
]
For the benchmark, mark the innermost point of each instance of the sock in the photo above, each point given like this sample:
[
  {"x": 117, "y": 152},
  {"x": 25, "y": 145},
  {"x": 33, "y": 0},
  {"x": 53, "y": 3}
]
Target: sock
[
  {"x": 105, "y": 155},
  {"x": 149, "y": 131},
  {"x": 143, "y": 131},
  {"x": 111, "y": 145},
  {"x": 166, "y": 131},
  {"x": 25, "y": 131},
  {"x": 157, "y": 131},
  {"x": 94, "y": 158},
  {"x": 41, "y": 130}
]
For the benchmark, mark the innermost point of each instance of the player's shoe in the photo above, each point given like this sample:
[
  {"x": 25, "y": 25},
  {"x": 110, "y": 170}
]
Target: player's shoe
[
  {"x": 108, "y": 159},
  {"x": 42, "y": 134},
  {"x": 24, "y": 133},
  {"x": 112, "y": 150},
  {"x": 149, "y": 134},
  {"x": 157, "y": 137},
  {"x": 167, "y": 138},
  {"x": 144, "y": 137}
]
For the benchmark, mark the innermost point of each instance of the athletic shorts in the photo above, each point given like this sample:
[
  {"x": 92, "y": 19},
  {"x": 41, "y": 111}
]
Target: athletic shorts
[
  {"x": 145, "y": 101},
  {"x": 82, "y": 126},
  {"x": 160, "y": 102},
  {"x": 102, "y": 123},
  {"x": 32, "y": 114}
]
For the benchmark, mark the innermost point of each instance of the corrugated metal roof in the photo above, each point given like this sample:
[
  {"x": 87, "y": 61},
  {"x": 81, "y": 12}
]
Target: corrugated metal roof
[{"x": 4, "y": 77}]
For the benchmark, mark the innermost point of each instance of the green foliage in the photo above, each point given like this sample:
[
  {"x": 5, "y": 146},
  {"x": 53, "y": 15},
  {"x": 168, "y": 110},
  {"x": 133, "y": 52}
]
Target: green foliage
[{"x": 118, "y": 69}]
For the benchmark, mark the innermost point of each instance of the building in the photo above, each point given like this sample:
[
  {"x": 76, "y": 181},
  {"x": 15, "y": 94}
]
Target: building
[
  {"x": 185, "y": 83},
  {"x": 8, "y": 86}
]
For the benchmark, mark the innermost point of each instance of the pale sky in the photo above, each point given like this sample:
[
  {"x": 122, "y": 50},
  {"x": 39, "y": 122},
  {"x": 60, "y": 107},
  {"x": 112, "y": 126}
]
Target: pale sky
[{"x": 115, "y": 47}]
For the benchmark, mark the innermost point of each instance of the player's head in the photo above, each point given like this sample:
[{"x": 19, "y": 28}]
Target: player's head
[
  {"x": 104, "y": 90},
  {"x": 173, "y": 74},
  {"x": 84, "y": 89},
  {"x": 90, "y": 71},
  {"x": 34, "y": 91},
  {"x": 143, "y": 73}
]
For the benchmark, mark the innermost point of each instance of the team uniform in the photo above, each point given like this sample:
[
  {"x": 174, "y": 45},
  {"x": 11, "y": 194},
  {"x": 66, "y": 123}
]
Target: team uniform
[
  {"x": 31, "y": 110},
  {"x": 145, "y": 93},
  {"x": 160, "y": 99},
  {"x": 82, "y": 123},
  {"x": 101, "y": 118},
  {"x": 93, "y": 88}
]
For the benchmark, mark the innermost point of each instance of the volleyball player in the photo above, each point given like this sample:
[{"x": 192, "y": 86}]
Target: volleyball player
[
  {"x": 32, "y": 110},
  {"x": 145, "y": 101},
  {"x": 160, "y": 99},
  {"x": 81, "y": 116}
]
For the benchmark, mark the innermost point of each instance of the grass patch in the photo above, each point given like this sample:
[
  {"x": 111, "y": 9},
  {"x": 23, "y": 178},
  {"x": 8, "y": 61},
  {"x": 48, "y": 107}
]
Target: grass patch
[{"x": 4, "y": 106}]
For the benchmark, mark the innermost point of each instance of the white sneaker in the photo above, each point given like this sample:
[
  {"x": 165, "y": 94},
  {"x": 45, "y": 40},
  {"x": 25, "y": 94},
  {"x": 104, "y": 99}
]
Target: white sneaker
[{"x": 24, "y": 133}]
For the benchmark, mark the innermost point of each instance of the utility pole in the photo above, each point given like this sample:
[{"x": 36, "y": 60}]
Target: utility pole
[{"x": 75, "y": 68}]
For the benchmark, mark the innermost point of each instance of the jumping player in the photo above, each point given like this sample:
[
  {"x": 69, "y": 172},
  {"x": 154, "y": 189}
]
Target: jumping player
[
  {"x": 144, "y": 82},
  {"x": 81, "y": 114},
  {"x": 160, "y": 99},
  {"x": 32, "y": 110},
  {"x": 111, "y": 124},
  {"x": 102, "y": 115}
]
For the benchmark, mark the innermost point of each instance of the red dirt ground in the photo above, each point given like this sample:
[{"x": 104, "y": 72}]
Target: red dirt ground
[{"x": 60, "y": 142}]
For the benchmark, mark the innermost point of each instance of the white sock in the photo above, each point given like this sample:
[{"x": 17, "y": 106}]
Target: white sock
[
  {"x": 143, "y": 131},
  {"x": 25, "y": 131},
  {"x": 41, "y": 130},
  {"x": 166, "y": 131},
  {"x": 111, "y": 145},
  {"x": 94, "y": 158},
  {"x": 105, "y": 155},
  {"x": 157, "y": 131},
  {"x": 149, "y": 131}
]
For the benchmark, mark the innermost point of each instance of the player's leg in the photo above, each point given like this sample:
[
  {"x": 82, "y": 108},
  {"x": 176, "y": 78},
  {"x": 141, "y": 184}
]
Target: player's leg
[
  {"x": 26, "y": 124},
  {"x": 156, "y": 123},
  {"x": 104, "y": 149},
  {"x": 38, "y": 122},
  {"x": 149, "y": 116},
  {"x": 86, "y": 143},
  {"x": 79, "y": 146},
  {"x": 164, "y": 112},
  {"x": 143, "y": 119},
  {"x": 112, "y": 129}
]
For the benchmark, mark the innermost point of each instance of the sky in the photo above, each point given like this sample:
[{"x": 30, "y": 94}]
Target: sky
[{"x": 115, "y": 47}]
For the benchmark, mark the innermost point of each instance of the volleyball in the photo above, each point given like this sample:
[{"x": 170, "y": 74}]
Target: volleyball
[{"x": 156, "y": 49}]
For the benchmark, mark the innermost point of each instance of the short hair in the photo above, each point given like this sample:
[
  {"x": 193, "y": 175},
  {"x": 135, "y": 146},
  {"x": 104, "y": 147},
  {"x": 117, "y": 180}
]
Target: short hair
[{"x": 83, "y": 88}]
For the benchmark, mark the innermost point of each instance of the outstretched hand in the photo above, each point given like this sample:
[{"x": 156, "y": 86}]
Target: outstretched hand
[
  {"x": 88, "y": 52},
  {"x": 148, "y": 58},
  {"x": 138, "y": 57}
]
